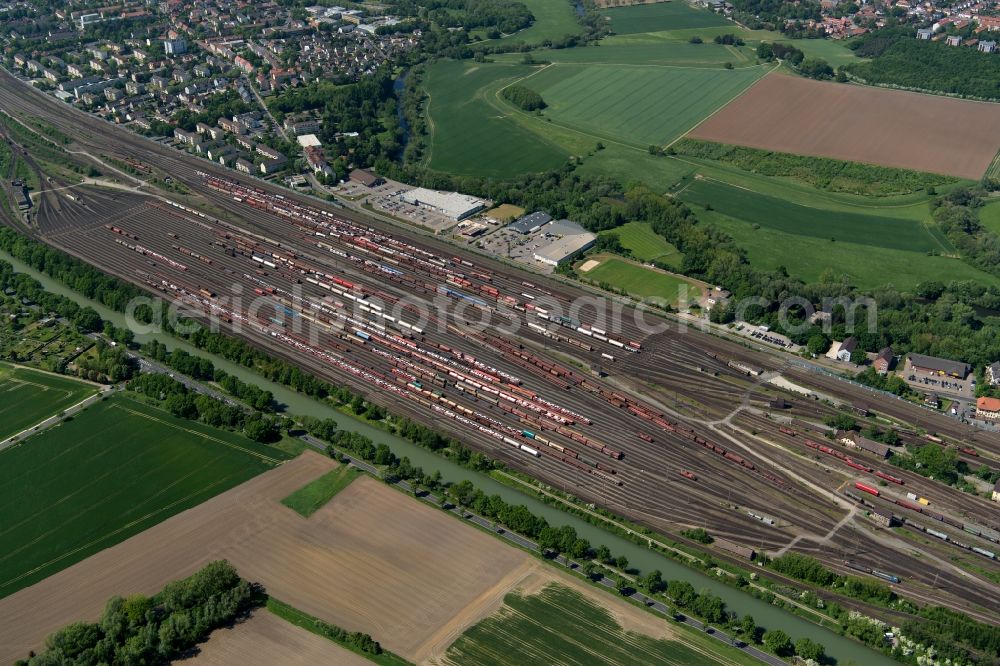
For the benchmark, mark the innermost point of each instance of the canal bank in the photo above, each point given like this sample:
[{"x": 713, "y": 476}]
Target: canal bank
[{"x": 843, "y": 649}]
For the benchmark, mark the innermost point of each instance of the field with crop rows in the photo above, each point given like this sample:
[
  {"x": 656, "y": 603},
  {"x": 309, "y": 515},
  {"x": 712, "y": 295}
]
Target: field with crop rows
[
  {"x": 676, "y": 15},
  {"x": 28, "y": 397},
  {"x": 112, "y": 471},
  {"x": 559, "y": 625}
]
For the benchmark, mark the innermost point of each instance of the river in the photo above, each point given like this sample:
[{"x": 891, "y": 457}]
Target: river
[{"x": 845, "y": 650}]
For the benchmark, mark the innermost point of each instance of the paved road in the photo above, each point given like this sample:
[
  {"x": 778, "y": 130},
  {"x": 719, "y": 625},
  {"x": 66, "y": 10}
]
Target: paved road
[
  {"x": 528, "y": 544},
  {"x": 56, "y": 418}
]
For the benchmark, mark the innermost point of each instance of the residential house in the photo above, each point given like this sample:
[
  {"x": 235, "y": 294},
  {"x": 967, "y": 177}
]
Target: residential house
[
  {"x": 244, "y": 165},
  {"x": 987, "y": 46},
  {"x": 925, "y": 33},
  {"x": 847, "y": 347},
  {"x": 993, "y": 373},
  {"x": 953, "y": 40},
  {"x": 271, "y": 166},
  {"x": 988, "y": 409},
  {"x": 883, "y": 360}
]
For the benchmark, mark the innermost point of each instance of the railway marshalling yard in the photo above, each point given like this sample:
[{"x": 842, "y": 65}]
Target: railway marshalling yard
[{"x": 341, "y": 297}]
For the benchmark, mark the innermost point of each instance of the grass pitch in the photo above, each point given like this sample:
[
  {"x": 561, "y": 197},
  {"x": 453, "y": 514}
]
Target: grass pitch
[
  {"x": 642, "y": 282},
  {"x": 309, "y": 498},
  {"x": 114, "y": 470},
  {"x": 28, "y": 397},
  {"x": 645, "y": 244},
  {"x": 561, "y": 626}
]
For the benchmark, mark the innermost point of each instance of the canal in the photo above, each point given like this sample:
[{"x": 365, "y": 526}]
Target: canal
[{"x": 843, "y": 649}]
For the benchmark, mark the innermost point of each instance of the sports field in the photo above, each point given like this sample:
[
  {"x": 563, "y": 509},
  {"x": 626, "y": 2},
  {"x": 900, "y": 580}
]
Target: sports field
[
  {"x": 112, "y": 471},
  {"x": 559, "y": 625},
  {"x": 675, "y": 15},
  {"x": 310, "y": 497},
  {"x": 855, "y": 123},
  {"x": 645, "y": 244},
  {"x": 640, "y": 281},
  {"x": 29, "y": 396}
]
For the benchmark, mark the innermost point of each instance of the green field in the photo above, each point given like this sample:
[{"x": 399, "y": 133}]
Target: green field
[
  {"x": 793, "y": 218},
  {"x": 111, "y": 472},
  {"x": 561, "y": 626},
  {"x": 989, "y": 215},
  {"x": 865, "y": 266},
  {"x": 472, "y": 133},
  {"x": 554, "y": 19},
  {"x": 640, "y": 281},
  {"x": 675, "y": 15},
  {"x": 637, "y": 106},
  {"x": 645, "y": 244},
  {"x": 28, "y": 397},
  {"x": 309, "y": 498},
  {"x": 475, "y": 132}
]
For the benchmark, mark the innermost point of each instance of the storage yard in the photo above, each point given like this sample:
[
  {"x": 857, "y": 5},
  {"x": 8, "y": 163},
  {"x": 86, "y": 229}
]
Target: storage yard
[
  {"x": 572, "y": 388},
  {"x": 862, "y": 124}
]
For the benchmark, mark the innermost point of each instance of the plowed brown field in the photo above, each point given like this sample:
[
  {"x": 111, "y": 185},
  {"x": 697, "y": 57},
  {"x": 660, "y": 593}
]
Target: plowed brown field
[
  {"x": 860, "y": 124},
  {"x": 371, "y": 560},
  {"x": 267, "y": 639}
]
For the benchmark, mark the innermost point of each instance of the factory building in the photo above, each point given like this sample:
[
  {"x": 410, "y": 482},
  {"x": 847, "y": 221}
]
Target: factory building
[
  {"x": 450, "y": 204},
  {"x": 566, "y": 239}
]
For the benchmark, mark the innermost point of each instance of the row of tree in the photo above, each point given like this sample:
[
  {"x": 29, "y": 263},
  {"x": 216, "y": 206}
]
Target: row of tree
[{"x": 153, "y": 630}]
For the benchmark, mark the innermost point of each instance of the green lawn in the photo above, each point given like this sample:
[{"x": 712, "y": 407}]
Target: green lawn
[
  {"x": 989, "y": 215},
  {"x": 640, "y": 281},
  {"x": 645, "y": 244},
  {"x": 28, "y": 397},
  {"x": 865, "y": 266},
  {"x": 472, "y": 133},
  {"x": 862, "y": 228},
  {"x": 111, "y": 472},
  {"x": 561, "y": 626},
  {"x": 309, "y": 498},
  {"x": 636, "y": 106},
  {"x": 675, "y": 15}
]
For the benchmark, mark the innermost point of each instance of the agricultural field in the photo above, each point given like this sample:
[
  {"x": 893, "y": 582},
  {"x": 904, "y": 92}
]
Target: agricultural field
[
  {"x": 887, "y": 127},
  {"x": 265, "y": 638},
  {"x": 472, "y": 132},
  {"x": 554, "y": 19},
  {"x": 560, "y": 625},
  {"x": 675, "y": 15},
  {"x": 306, "y": 500},
  {"x": 112, "y": 471},
  {"x": 639, "y": 281},
  {"x": 644, "y": 50},
  {"x": 636, "y": 106},
  {"x": 29, "y": 396},
  {"x": 865, "y": 266},
  {"x": 376, "y": 560},
  {"x": 789, "y": 217},
  {"x": 588, "y": 104},
  {"x": 645, "y": 244}
]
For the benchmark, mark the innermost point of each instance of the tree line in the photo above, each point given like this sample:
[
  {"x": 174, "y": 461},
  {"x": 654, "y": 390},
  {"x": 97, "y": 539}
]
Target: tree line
[{"x": 153, "y": 630}]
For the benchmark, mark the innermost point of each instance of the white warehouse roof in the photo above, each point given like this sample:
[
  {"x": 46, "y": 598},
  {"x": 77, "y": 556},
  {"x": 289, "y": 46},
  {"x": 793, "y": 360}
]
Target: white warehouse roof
[
  {"x": 306, "y": 140},
  {"x": 450, "y": 204}
]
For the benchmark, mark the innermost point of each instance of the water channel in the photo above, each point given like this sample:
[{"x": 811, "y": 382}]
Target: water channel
[{"x": 845, "y": 650}]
